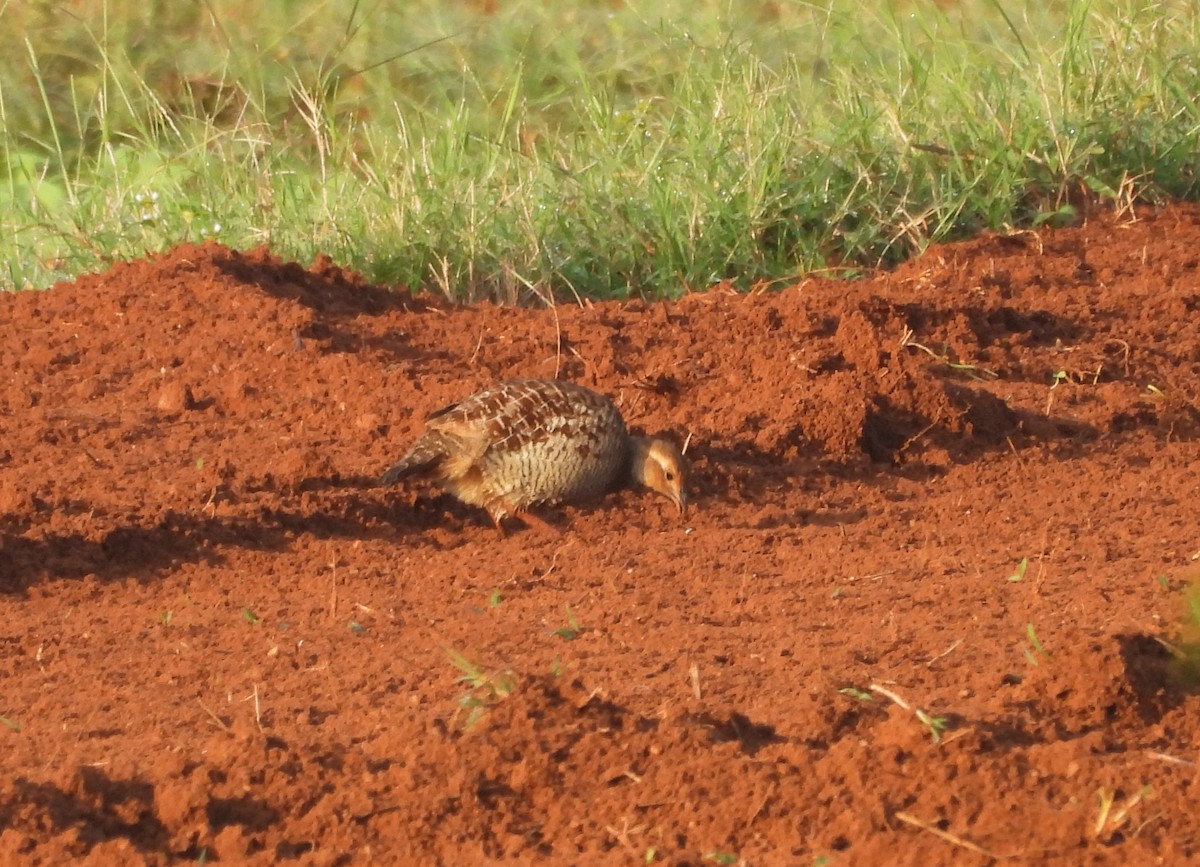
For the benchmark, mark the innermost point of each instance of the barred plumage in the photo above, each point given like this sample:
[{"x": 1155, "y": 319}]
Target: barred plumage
[{"x": 530, "y": 441}]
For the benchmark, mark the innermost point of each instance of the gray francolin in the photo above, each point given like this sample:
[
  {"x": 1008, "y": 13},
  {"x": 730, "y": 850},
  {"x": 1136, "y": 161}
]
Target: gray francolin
[{"x": 530, "y": 441}]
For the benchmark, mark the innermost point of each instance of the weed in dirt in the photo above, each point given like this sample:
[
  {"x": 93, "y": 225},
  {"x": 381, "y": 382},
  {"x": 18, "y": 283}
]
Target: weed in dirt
[
  {"x": 971, "y": 371},
  {"x": 249, "y": 616},
  {"x": 1187, "y": 652},
  {"x": 1019, "y": 573},
  {"x": 571, "y": 631},
  {"x": 649, "y": 855},
  {"x": 165, "y": 617},
  {"x": 493, "y": 599},
  {"x": 8, "y": 723},
  {"x": 1035, "y": 648},
  {"x": 424, "y": 143},
  {"x": 855, "y": 692},
  {"x": 721, "y": 857},
  {"x": 1109, "y": 820},
  {"x": 936, "y": 724},
  {"x": 486, "y": 688}
]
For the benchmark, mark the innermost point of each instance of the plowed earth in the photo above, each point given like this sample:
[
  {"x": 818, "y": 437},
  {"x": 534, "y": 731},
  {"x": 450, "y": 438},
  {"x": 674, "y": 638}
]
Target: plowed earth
[{"x": 942, "y": 523}]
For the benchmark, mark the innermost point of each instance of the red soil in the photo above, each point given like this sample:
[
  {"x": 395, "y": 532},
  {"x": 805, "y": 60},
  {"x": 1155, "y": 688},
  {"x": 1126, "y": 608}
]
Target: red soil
[{"x": 220, "y": 641}]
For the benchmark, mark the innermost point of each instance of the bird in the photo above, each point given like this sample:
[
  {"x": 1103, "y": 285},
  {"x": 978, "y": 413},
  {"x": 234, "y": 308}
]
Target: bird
[{"x": 526, "y": 442}]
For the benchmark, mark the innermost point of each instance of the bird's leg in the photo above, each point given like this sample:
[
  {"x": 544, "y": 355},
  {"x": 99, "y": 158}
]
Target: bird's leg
[
  {"x": 534, "y": 522},
  {"x": 501, "y": 508}
]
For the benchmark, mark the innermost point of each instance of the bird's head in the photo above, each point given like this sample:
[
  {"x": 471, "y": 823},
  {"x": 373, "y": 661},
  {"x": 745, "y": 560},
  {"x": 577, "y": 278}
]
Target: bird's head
[{"x": 660, "y": 466}]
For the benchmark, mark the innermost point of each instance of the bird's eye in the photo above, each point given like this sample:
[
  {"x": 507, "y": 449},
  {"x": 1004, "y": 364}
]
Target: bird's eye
[{"x": 670, "y": 476}]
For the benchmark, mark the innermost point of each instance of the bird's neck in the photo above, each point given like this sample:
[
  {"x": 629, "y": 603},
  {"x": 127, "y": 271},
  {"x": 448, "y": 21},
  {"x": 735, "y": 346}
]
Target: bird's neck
[{"x": 639, "y": 452}]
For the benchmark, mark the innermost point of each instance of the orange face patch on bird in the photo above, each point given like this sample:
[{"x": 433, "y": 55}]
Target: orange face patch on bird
[
  {"x": 530, "y": 441},
  {"x": 660, "y": 466}
]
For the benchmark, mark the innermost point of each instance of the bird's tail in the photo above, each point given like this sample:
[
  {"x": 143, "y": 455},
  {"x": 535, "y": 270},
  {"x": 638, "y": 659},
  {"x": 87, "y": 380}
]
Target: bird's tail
[{"x": 425, "y": 454}]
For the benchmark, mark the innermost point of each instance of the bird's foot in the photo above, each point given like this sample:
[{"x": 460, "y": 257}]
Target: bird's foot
[
  {"x": 528, "y": 519},
  {"x": 535, "y": 523}
]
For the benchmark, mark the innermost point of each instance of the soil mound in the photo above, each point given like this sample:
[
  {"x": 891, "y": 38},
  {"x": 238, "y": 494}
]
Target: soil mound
[{"x": 923, "y": 611}]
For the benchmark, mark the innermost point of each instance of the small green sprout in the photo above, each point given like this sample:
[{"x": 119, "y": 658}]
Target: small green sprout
[
  {"x": 571, "y": 631},
  {"x": 935, "y": 724},
  {"x": 486, "y": 688},
  {"x": 1187, "y": 653},
  {"x": 1035, "y": 644},
  {"x": 1019, "y": 573},
  {"x": 249, "y": 615}
]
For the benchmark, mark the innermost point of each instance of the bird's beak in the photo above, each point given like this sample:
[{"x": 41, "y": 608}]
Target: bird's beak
[{"x": 681, "y": 502}]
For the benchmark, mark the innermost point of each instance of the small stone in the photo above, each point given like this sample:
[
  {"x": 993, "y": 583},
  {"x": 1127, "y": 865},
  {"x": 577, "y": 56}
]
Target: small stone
[{"x": 175, "y": 397}]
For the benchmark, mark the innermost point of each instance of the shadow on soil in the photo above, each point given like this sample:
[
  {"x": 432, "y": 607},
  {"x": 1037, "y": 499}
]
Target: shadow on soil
[
  {"x": 336, "y": 510},
  {"x": 1159, "y": 680},
  {"x": 100, "y": 808},
  {"x": 337, "y": 299},
  {"x": 740, "y": 729}
]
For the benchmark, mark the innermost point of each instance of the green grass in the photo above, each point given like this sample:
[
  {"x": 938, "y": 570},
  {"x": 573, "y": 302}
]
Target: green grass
[
  {"x": 485, "y": 688},
  {"x": 1187, "y": 652},
  {"x": 593, "y": 148}
]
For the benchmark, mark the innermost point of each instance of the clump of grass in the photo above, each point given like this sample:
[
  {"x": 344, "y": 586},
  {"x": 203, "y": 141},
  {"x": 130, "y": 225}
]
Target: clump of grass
[
  {"x": 485, "y": 688},
  {"x": 1110, "y": 816},
  {"x": 1187, "y": 651},
  {"x": 583, "y": 149}
]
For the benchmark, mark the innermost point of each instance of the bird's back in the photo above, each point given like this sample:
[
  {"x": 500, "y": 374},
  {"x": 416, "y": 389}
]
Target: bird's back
[{"x": 523, "y": 442}]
